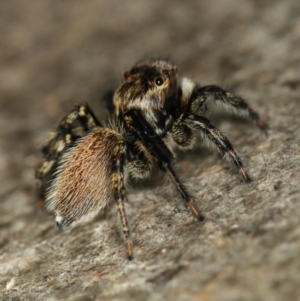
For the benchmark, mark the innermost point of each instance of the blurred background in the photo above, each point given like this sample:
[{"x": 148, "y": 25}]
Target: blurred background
[{"x": 54, "y": 54}]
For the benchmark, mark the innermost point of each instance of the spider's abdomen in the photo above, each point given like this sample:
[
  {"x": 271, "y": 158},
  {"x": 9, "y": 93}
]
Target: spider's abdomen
[{"x": 82, "y": 185}]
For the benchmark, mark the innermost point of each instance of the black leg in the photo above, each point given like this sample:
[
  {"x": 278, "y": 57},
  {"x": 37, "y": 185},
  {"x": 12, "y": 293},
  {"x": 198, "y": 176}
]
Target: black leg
[
  {"x": 160, "y": 152},
  {"x": 220, "y": 141},
  {"x": 231, "y": 102},
  {"x": 182, "y": 190}
]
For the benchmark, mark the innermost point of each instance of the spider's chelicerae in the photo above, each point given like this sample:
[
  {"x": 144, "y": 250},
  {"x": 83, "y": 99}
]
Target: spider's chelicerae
[{"x": 153, "y": 114}]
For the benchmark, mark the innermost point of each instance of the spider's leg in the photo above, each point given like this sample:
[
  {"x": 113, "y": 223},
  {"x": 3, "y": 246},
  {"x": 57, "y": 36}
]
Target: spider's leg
[
  {"x": 119, "y": 193},
  {"x": 155, "y": 146},
  {"x": 231, "y": 102},
  {"x": 73, "y": 126},
  {"x": 219, "y": 140}
]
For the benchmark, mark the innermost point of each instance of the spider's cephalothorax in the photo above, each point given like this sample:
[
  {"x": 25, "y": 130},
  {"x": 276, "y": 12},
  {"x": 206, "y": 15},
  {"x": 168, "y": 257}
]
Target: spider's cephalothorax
[
  {"x": 150, "y": 89},
  {"x": 153, "y": 113}
]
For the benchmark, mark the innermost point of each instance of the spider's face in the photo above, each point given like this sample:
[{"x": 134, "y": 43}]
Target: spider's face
[{"x": 147, "y": 86}]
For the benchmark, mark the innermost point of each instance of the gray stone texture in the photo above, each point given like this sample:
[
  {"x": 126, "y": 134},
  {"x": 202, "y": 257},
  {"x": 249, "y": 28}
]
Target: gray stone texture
[{"x": 54, "y": 54}]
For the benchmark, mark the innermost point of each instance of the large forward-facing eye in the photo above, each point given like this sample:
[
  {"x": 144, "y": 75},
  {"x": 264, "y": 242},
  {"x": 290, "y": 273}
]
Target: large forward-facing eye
[{"x": 159, "y": 81}]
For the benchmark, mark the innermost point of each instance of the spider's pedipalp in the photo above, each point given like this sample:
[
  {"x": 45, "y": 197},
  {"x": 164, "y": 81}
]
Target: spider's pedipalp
[{"x": 182, "y": 134}]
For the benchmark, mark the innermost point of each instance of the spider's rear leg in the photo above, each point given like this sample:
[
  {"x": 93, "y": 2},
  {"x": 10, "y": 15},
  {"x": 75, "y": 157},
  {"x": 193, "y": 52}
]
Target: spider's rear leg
[
  {"x": 73, "y": 126},
  {"x": 220, "y": 141},
  {"x": 231, "y": 102}
]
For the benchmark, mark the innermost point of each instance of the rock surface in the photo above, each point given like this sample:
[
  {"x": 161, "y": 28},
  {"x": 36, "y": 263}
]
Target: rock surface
[{"x": 57, "y": 53}]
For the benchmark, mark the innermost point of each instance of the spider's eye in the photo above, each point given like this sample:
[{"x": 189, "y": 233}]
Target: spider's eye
[{"x": 159, "y": 81}]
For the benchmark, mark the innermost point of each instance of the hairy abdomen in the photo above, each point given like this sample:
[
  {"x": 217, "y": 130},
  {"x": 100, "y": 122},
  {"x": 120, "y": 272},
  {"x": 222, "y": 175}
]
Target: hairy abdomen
[{"x": 82, "y": 186}]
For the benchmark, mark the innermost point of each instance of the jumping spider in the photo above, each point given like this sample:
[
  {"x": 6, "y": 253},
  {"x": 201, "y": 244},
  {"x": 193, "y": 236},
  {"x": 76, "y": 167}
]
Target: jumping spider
[{"x": 153, "y": 114}]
